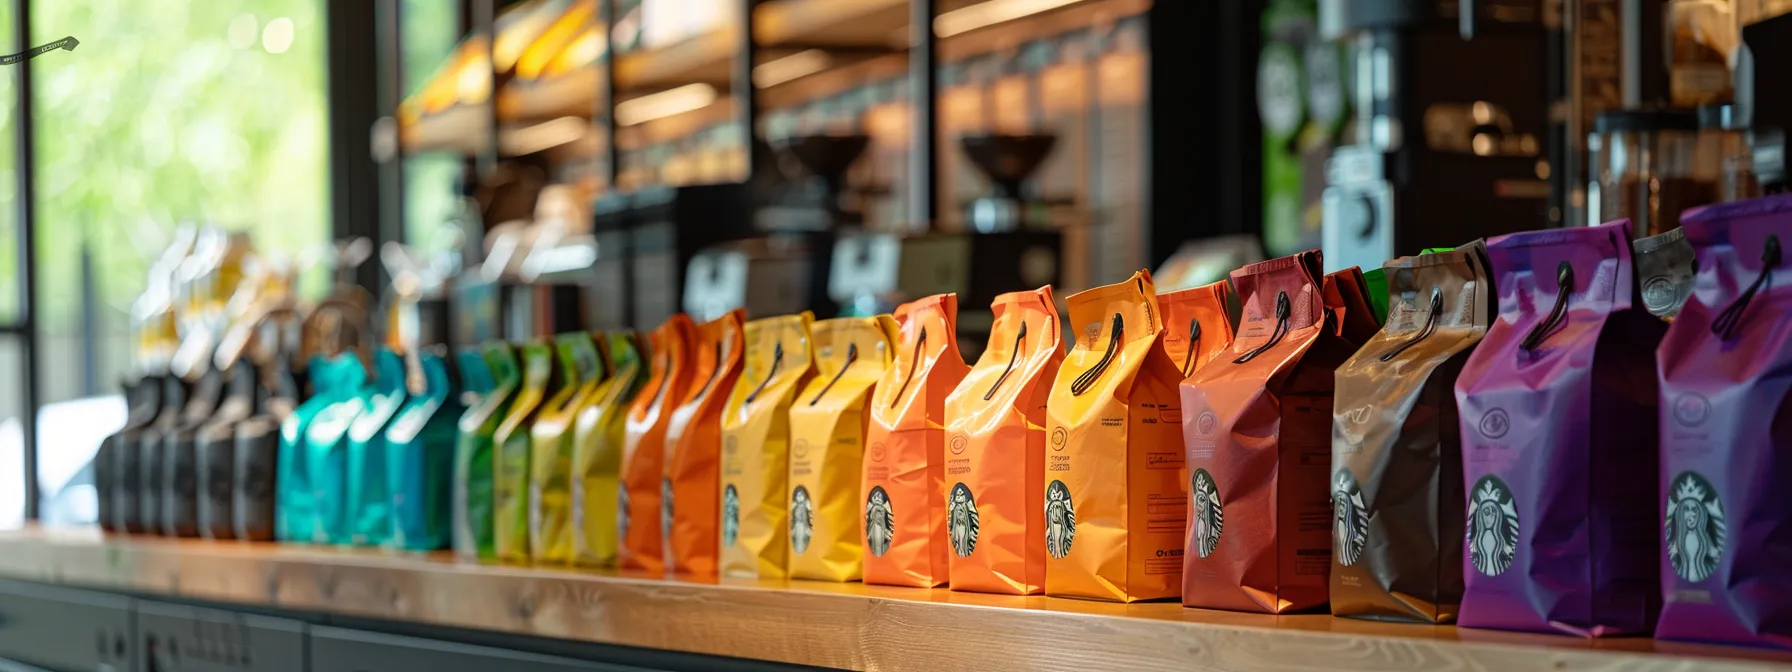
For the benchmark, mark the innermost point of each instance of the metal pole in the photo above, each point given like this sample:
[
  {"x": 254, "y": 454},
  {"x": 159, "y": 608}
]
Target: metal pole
[
  {"x": 745, "y": 94},
  {"x": 923, "y": 77},
  {"x": 26, "y": 203}
]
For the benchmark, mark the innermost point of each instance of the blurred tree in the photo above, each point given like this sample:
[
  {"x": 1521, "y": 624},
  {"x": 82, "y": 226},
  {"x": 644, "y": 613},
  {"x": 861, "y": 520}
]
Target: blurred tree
[{"x": 210, "y": 111}]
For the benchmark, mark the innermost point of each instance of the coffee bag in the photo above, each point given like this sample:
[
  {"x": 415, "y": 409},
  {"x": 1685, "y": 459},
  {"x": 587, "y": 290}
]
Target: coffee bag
[
  {"x": 1559, "y": 449},
  {"x": 756, "y": 447},
  {"x": 691, "y": 503},
  {"x": 543, "y": 383},
  {"x": 1256, "y": 426},
  {"x": 828, "y": 422},
  {"x": 643, "y": 465},
  {"x": 581, "y": 362},
  {"x": 1114, "y": 504},
  {"x": 905, "y": 508},
  {"x": 1397, "y": 449},
  {"x": 1726, "y": 570},
  {"x": 598, "y": 437},
  {"x": 474, "y": 516},
  {"x": 995, "y": 450}
]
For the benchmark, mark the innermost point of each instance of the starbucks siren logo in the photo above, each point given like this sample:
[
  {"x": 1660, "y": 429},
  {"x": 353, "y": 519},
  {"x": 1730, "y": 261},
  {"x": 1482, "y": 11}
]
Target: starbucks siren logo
[
  {"x": 880, "y": 521},
  {"x": 1060, "y": 520},
  {"x": 961, "y": 520},
  {"x": 1695, "y": 527},
  {"x": 1350, "y": 518},
  {"x": 666, "y": 509},
  {"x": 730, "y": 515},
  {"x": 802, "y": 519},
  {"x": 1492, "y": 526},
  {"x": 1210, "y": 515},
  {"x": 623, "y": 513}
]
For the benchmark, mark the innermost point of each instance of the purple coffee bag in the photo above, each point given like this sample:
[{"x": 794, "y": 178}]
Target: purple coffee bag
[
  {"x": 1726, "y": 431},
  {"x": 1559, "y": 441}
]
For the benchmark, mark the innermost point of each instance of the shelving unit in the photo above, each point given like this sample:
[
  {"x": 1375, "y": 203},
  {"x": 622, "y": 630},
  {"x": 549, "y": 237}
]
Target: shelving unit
[{"x": 850, "y": 626}]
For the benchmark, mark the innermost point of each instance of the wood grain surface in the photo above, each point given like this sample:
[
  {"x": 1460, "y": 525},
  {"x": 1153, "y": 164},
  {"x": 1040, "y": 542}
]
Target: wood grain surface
[{"x": 834, "y": 625}]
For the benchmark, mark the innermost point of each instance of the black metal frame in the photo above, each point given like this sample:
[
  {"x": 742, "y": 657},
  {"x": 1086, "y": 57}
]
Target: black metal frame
[{"x": 25, "y": 327}]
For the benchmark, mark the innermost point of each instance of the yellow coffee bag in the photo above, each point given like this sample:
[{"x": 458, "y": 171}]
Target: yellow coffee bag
[
  {"x": 551, "y": 447},
  {"x": 827, "y": 444},
  {"x": 597, "y": 445},
  {"x": 755, "y": 446},
  {"x": 1114, "y": 499}
]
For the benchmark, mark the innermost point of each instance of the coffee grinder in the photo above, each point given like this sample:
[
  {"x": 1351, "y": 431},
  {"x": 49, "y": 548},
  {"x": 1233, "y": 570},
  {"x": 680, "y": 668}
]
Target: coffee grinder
[{"x": 1452, "y": 105}]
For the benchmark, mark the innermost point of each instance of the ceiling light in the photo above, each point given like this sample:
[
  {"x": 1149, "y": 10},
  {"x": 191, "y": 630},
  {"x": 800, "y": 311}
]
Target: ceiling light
[
  {"x": 789, "y": 68},
  {"x": 545, "y": 135},
  {"x": 990, "y": 13},
  {"x": 664, "y": 104}
]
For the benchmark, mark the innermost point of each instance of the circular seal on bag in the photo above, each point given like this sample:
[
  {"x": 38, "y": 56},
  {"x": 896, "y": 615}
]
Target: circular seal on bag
[
  {"x": 1209, "y": 513},
  {"x": 1350, "y": 518},
  {"x": 730, "y": 515},
  {"x": 958, "y": 444},
  {"x": 1060, "y": 520},
  {"x": 1495, "y": 423},
  {"x": 1492, "y": 526},
  {"x": 877, "y": 452},
  {"x": 802, "y": 519},
  {"x": 1694, "y": 527},
  {"x": 799, "y": 449},
  {"x": 1691, "y": 409},
  {"x": 1206, "y": 423},
  {"x": 880, "y": 521},
  {"x": 961, "y": 520},
  {"x": 1659, "y": 294},
  {"x": 1059, "y": 437}
]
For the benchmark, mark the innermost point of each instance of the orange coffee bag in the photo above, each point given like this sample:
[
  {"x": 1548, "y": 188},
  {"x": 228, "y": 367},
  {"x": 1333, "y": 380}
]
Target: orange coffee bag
[
  {"x": 905, "y": 512},
  {"x": 693, "y": 450},
  {"x": 827, "y": 446},
  {"x": 1114, "y": 503},
  {"x": 1257, "y": 428},
  {"x": 1196, "y": 325},
  {"x": 644, "y": 449},
  {"x": 995, "y": 461}
]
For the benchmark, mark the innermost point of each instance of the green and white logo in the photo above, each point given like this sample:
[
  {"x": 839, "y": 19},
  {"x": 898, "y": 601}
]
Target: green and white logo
[
  {"x": 1350, "y": 518},
  {"x": 730, "y": 515},
  {"x": 802, "y": 519},
  {"x": 1695, "y": 527},
  {"x": 1209, "y": 514},
  {"x": 961, "y": 520},
  {"x": 1060, "y": 520},
  {"x": 1492, "y": 526},
  {"x": 880, "y": 522}
]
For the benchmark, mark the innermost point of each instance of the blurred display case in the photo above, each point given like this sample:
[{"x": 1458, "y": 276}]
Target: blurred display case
[{"x": 773, "y": 138}]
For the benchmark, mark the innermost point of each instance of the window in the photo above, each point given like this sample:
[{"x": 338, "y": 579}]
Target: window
[{"x": 208, "y": 111}]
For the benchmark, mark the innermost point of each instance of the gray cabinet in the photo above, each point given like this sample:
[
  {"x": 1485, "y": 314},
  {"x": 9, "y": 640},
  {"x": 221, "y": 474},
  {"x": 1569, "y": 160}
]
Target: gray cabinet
[
  {"x": 340, "y": 650},
  {"x": 181, "y": 638},
  {"x": 66, "y": 629}
]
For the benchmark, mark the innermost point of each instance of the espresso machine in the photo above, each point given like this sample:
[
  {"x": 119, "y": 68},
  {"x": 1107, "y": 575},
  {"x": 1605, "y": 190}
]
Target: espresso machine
[{"x": 1447, "y": 142}]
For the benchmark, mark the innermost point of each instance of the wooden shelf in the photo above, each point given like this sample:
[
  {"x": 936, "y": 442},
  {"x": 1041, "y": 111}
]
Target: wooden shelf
[
  {"x": 833, "y": 625},
  {"x": 832, "y": 23}
]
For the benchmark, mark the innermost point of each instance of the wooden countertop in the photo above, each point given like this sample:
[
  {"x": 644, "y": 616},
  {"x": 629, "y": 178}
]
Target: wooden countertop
[{"x": 833, "y": 625}]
